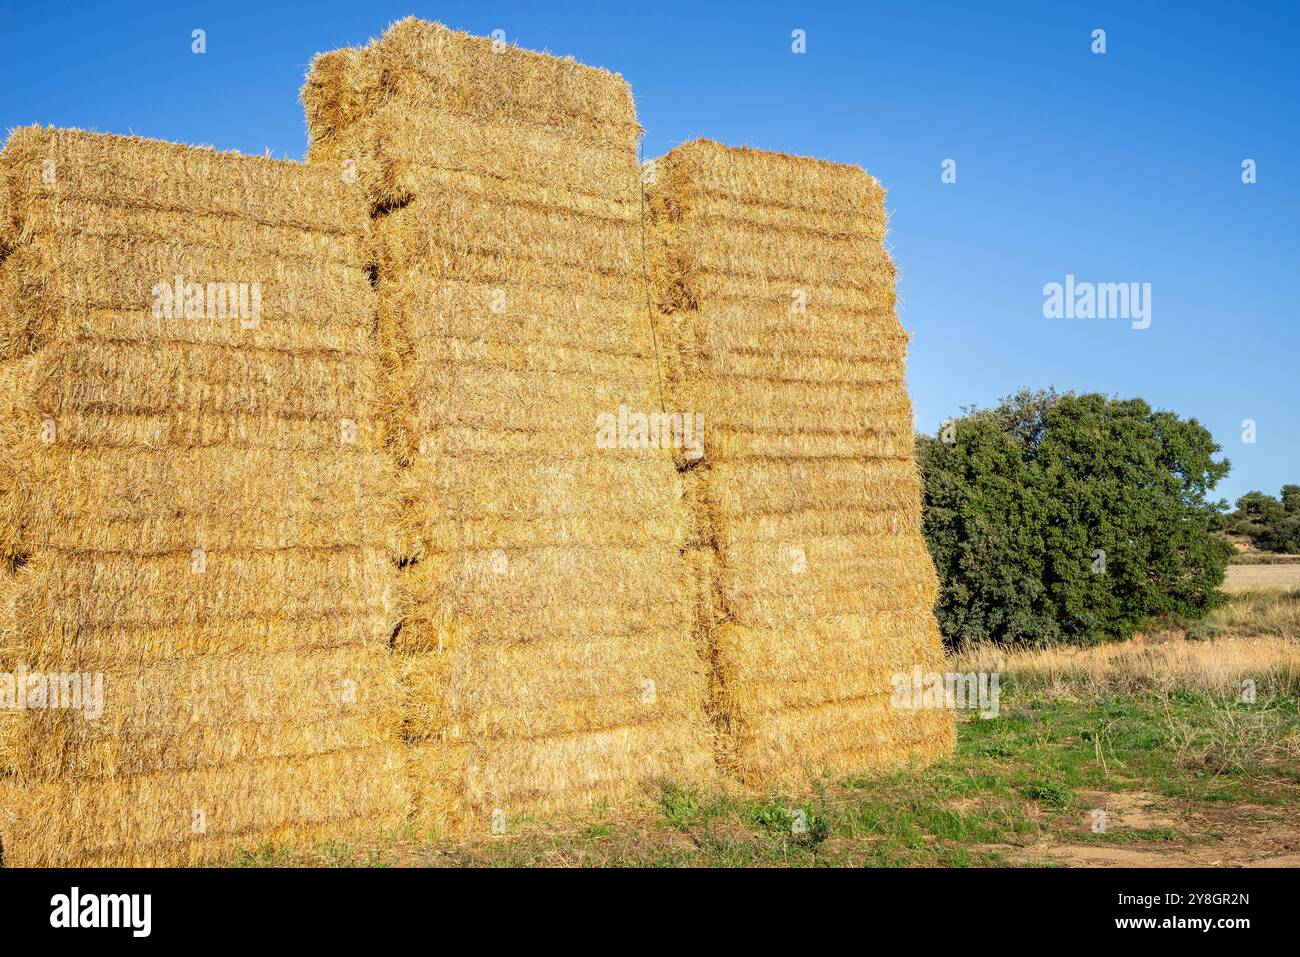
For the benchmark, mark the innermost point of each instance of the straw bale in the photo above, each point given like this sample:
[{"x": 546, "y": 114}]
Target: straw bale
[
  {"x": 458, "y": 787},
  {"x": 798, "y": 406},
  {"x": 542, "y": 318},
  {"x": 100, "y": 588},
  {"x": 101, "y": 220},
  {"x": 760, "y": 487},
  {"x": 302, "y": 334},
  {"x": 814, "y": 522},
  {"x": 806, "y": 665},
  {"x": 515, "y": 274},
  {"x": 486, "y": 398},
  {"x": 139, "y": 173},
  {"x": 766, "y": 180},
  {"x": 491, "y": 448},
  {"x": 728, "y": 252},
  {"x": 333, "y": 98},
  {"x": 839, "y": 736},
  {"x": 845, "y": 563},
  {"x": 543, "y": 488},
  {"x": 179, "y": 430},
  {"x": 216, "y": 638},
  {"x": 524, "y": 357},
  {"x": 121, "y": 379},
  {"x": 679, "y": 290},
  {"x": 736, "y": 443},
  {"x": 519, "y": 277},
  {"x": 429, "y": 626},
  {"x": 14, "y": 380},
  {"x": 450, "y": 227},
  {"x": 10, "y": 657},
  {"x": 97, "y": 394},
  {"x": 596, "y": 531},
  {"x": 512, "y": 157},
  {"x": 205, "y": 815},
  {"x": 754, "y": 364},
  {"x": 8, "y": 215},
  {"x": 776, "y": 298},
  {"x": 437, "y": 71},
  {"x": 524, "y": 581},
  {"x": 205, "y": 712},
  {"x": 156, "y": 501},
  {"x": 58, "y": 278},
  {"x": 792, "y": 214},
  {"x": 542, "y": 688},
  {"x": 427, "y": 65},
  {"x": 471, "y": 482}
]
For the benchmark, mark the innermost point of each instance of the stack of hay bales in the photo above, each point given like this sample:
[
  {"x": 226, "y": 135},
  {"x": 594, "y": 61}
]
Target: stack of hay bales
[
  {"x": 777, "y": 296},
  {"x": 548, "y": 643},
  {"x": 195, "y": 504}
]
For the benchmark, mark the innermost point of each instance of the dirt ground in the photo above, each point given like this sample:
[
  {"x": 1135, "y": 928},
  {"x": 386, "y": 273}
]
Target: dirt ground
[{"x": 1228, "y": 835}]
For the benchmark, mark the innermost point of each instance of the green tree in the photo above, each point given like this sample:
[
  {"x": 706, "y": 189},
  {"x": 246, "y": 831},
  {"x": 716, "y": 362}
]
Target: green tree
[{"x": 1061, "y": 517}]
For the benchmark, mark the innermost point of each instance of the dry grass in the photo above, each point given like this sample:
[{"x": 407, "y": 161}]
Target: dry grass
[
  {"x": 1210, "y": 667},
  {"x": 1233, "y": 740},
  {"x": 1256, "y": 557},
  {"x": 1255, "y": 637},
  {"x": 1265, "y": 575},
  {"x": 1258, "y": 612}
]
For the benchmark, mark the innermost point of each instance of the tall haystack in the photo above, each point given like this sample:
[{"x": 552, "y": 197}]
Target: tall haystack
[
  {"x": 548, "y": 648},
  {"x": 195, "y": 506},
  {"x": 776, "y": 295}
]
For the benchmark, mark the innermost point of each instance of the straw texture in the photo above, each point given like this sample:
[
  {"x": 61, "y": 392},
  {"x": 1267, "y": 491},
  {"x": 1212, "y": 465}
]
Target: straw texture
[
  {"x": 776, "y": 296},
  {"x": 195, "y": 505},
  {"x": 549, "y": 653},
  {"x": 306, "y": 461}
]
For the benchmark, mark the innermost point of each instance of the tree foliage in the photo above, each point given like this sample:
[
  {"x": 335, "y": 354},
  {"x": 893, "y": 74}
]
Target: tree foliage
[{"x": 1071, "y": 518}]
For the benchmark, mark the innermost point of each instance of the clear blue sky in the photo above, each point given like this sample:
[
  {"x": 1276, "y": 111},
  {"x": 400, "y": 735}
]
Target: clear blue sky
[{"x": 1122, "y": 167}]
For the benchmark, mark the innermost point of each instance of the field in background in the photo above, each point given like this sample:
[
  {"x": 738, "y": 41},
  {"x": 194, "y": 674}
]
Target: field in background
[
  {"x": 1253, "y": 568},
  {"x": 1152, "y": 733},
  {"x": 1272, "y": 574}
]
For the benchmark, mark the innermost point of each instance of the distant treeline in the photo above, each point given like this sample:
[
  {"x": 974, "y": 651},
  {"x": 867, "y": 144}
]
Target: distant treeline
[{"x": 1271, "y": 524}]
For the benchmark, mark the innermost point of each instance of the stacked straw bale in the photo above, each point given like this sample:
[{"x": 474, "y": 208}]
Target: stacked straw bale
[
  {"x": 194, "y": 505},
  {"x": 777, "y": 296},
  {"x": 548, "y": 642}
]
